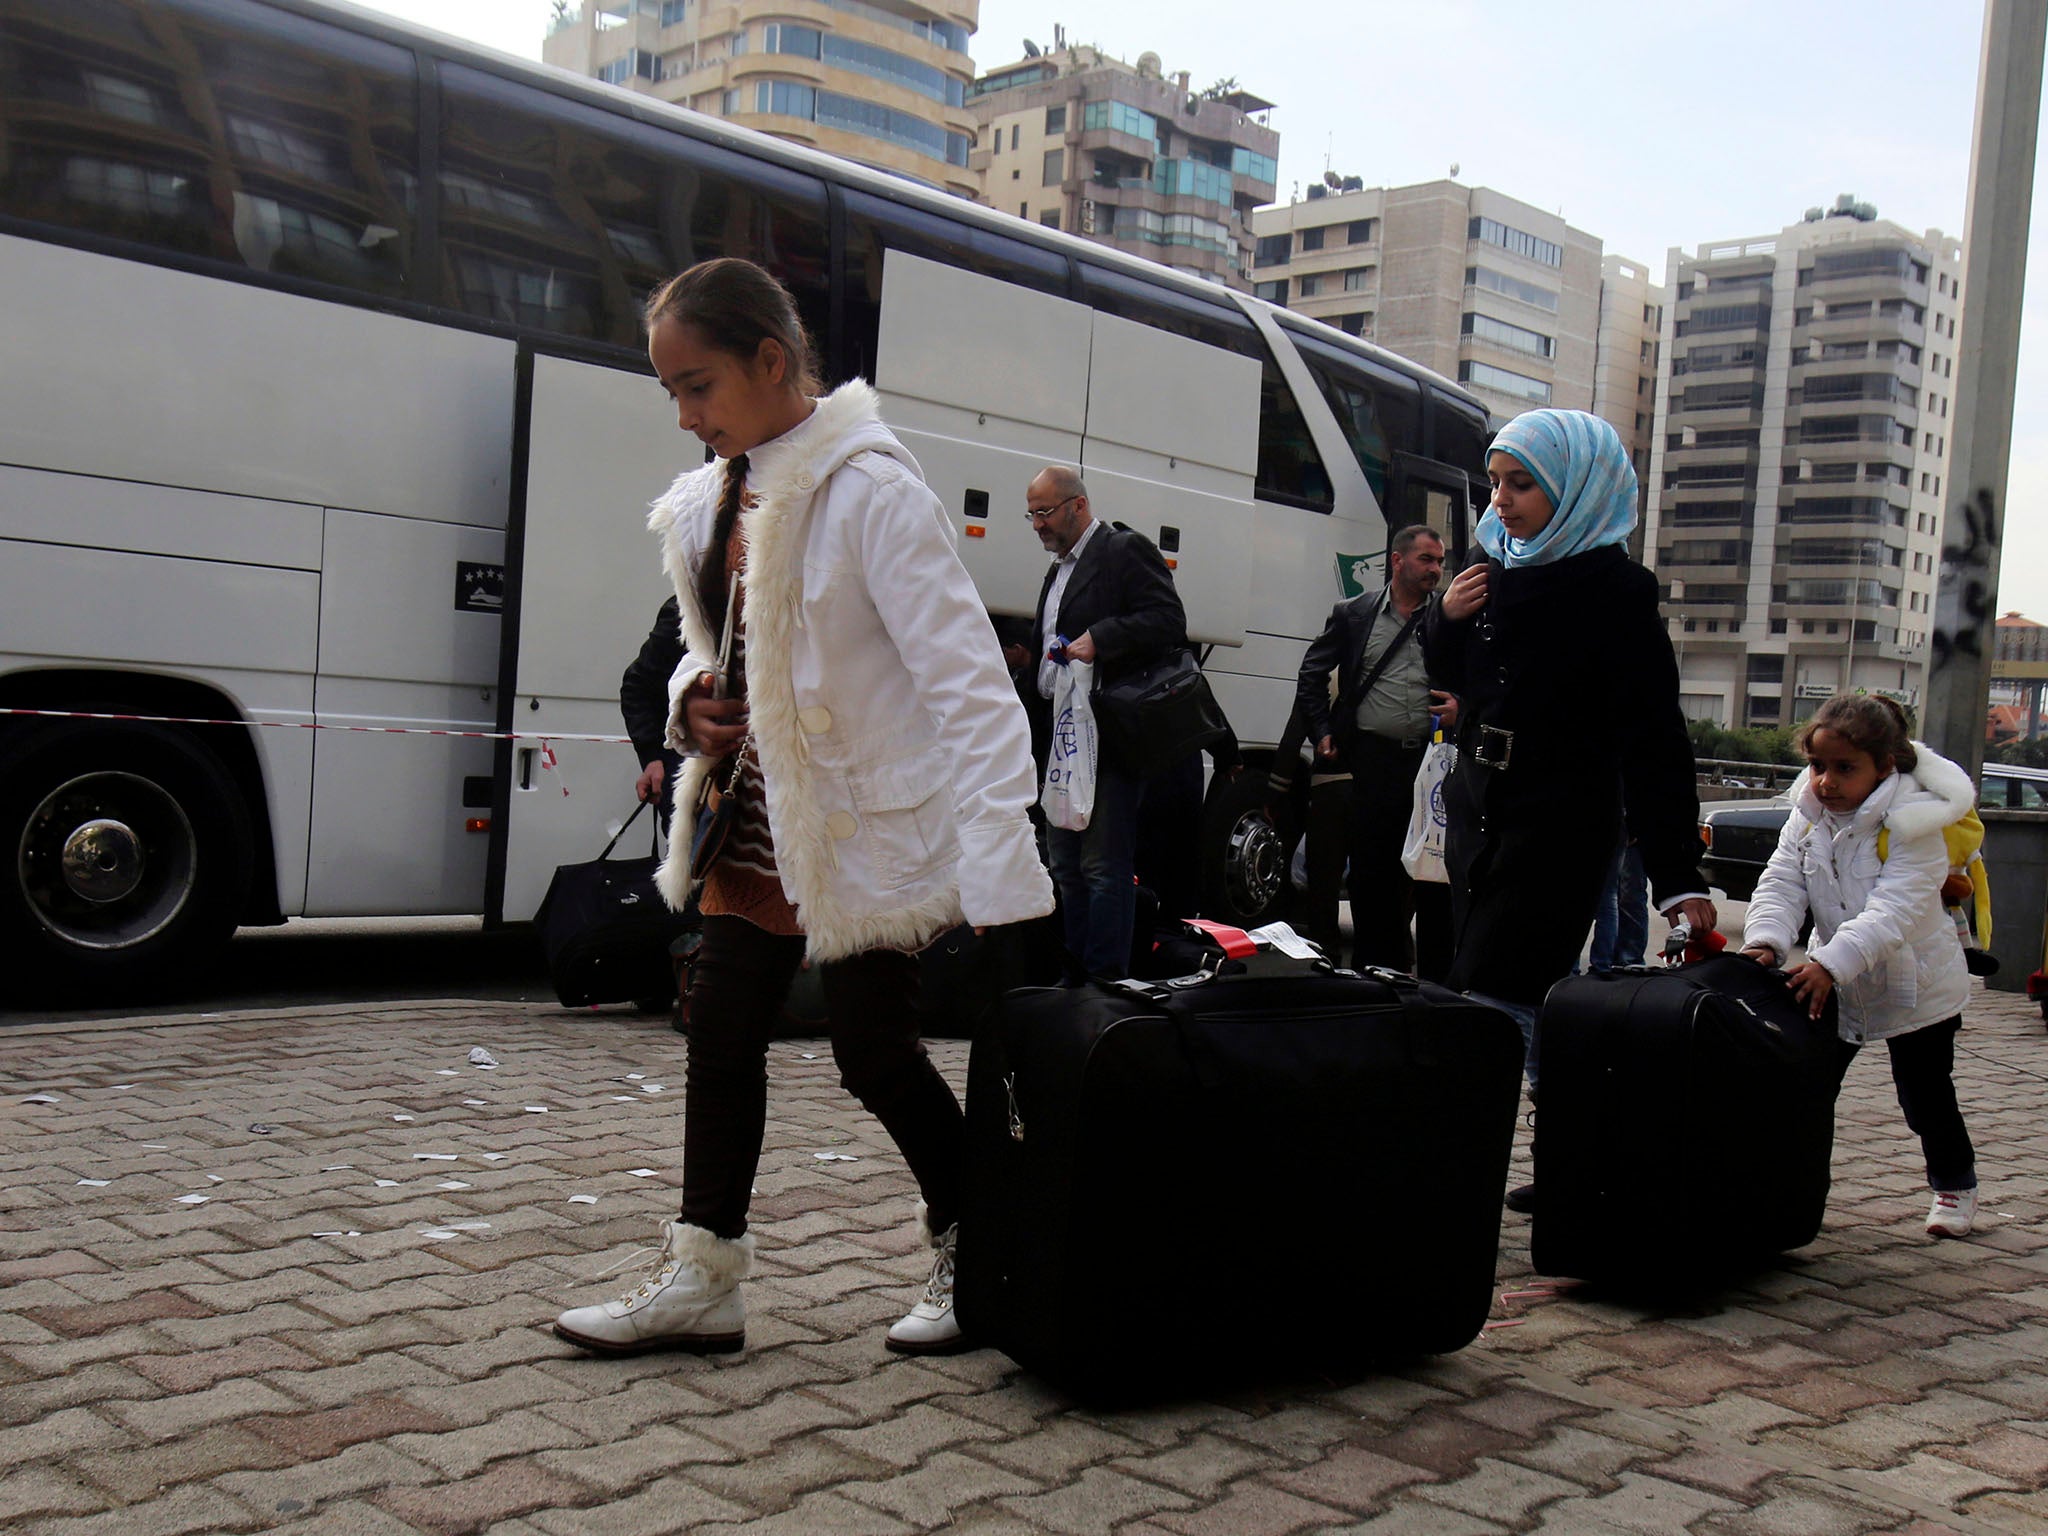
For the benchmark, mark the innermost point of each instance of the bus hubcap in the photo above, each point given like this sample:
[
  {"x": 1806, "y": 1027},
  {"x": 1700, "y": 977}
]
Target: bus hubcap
[
  {"x": 102, "y": 861},
  {"x": 1255, "y": 864},
  {"x": 107, "y": 860}
]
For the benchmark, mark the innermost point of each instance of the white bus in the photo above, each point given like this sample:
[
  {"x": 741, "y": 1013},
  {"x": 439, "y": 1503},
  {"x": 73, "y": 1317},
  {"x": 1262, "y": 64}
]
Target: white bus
[{"x": 323, "y": 407}]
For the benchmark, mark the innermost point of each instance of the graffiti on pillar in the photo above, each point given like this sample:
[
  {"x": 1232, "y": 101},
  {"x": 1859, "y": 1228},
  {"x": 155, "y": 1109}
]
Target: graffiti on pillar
[{"x": 1967, "y": 559}]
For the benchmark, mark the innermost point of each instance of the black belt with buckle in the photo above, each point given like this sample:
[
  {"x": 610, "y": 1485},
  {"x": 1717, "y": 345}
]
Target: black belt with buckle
[{"x": 1493, "y": 747}]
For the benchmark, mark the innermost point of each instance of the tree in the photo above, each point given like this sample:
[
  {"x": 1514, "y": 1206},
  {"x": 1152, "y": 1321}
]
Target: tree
[{"x": 1220, "y": 89}]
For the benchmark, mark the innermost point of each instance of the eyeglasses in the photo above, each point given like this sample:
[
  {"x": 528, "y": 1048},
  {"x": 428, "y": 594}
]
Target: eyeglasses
[{"x": 1037, "y": 515}]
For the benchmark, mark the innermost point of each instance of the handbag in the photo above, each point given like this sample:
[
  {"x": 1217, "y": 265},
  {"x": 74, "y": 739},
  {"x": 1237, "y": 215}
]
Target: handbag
[
  {"x": 1422, "y": 855},
  {"x": 1068, "y": 797},
  {"x": 605, "y": 930},
  {"x": 717, "y": 809},
  {"x": 1158, "y": 714}
]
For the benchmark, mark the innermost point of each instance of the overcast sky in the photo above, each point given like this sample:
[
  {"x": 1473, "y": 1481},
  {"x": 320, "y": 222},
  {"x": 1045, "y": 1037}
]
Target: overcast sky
[{"x": 1647, "y": 125}]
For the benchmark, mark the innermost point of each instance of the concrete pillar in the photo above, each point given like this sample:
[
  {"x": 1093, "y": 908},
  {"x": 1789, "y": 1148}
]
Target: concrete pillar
[{"x": 1994, "y": 281}]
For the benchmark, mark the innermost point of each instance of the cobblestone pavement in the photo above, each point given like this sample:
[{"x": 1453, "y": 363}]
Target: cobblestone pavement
[{"x": 292, "y": 1271}]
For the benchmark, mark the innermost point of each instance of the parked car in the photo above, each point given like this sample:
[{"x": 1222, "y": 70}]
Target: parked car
[{"x": 1741, "y": 834}]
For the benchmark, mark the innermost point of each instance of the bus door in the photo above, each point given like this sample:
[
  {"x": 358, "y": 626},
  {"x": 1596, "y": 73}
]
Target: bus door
[
  {"x": 1440, "y": 496},
  {"x": 595, "y": 446}
]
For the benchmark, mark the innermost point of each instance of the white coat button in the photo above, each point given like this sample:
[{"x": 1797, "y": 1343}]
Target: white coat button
[
  {"x": 841, "y": 825},
  {"x": 816, "y": 720},
  {"x": 804, "y": 481}
]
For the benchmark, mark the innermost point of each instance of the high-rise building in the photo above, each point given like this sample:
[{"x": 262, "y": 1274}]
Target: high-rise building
[
  {"x": 1628, "y": 344},
  {"x": 1128, "y": 156},
  {"x": 1501, "y": 296},
  {"x": 883, "y": 82},
  {"x": 1796, "y": 477}
]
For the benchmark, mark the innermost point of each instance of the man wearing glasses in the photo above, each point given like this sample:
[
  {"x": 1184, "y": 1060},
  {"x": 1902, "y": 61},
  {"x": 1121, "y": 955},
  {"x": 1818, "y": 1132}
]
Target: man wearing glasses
[{"x": 1108, "y": 599}]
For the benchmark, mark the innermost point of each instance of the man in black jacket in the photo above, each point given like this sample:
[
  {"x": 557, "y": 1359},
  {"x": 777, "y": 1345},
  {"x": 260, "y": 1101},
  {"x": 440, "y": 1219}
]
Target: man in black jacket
[
  {"x": 643, "y": 701},
  {"x": 1108, "y": 599},
  {"x": 1379, "y": 728}
]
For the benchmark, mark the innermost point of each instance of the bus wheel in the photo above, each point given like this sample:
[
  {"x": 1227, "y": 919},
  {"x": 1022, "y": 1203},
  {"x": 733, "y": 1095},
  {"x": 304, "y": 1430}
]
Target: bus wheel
[
  {"x": 1244, "y": 856},
  {"x": 124, "y": 860}
]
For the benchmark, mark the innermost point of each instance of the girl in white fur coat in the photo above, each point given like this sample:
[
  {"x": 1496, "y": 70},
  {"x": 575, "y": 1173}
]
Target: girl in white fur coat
[
  {"x": 882, "y": 767},
  {"x": 1863, "y": 852}
]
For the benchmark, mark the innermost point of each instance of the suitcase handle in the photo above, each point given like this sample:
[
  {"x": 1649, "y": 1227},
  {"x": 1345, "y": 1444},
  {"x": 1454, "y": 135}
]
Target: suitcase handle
[{"x": 639, "y": 806}]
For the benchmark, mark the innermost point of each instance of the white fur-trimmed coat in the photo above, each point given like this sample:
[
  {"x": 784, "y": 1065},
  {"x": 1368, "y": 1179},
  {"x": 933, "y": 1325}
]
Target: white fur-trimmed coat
[
  {"x": 896, "y": 755},
  {"x": 1878, "y": 924}
]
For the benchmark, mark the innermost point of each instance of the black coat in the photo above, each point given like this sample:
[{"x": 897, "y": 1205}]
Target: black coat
[
  {"x": 1122, "y": 596},
  {"x": 643, "y": 691},
  {"x": 1573, "y": 659},
  {"x": 1340, "y": 647}
]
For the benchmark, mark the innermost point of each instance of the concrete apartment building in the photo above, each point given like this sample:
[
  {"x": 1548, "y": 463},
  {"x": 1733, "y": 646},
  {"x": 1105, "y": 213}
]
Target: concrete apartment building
[
  {"x": 1128, "y": 156},
  {"x": 1796, "y": 478},
  {"x": 1484, "y": 289},
  {"x": 883, "y": 82},
  {"x": 1627, "y": 349}
]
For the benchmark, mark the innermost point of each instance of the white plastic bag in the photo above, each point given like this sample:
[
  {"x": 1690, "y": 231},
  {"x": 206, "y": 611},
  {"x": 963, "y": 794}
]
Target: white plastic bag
[
  {"x": 1423, "y": 854},
  {"x": 1069, "y": 795}
]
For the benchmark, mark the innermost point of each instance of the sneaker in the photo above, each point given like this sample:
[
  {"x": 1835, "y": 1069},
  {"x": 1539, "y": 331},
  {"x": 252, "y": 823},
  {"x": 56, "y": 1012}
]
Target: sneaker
[
  {"x": 932, "y": 1327},
  {"x": 1522, "y": 1198},
  {"x": 1952, "y": 1212},
  {"x": 691, "y": 1301}
]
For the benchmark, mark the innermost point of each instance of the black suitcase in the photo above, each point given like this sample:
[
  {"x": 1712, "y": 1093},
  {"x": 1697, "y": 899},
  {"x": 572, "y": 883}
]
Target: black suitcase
[
  {"x": 1685, "y": 1123},
  {"x": 606, "y": 931},
  {"x": 1292, "y": 1168}
]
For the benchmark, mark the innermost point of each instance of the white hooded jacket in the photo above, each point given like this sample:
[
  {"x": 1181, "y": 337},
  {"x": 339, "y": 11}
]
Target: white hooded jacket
[
  {"x": 1878, "y": 924},
  {"x": 895, "y": 751}
]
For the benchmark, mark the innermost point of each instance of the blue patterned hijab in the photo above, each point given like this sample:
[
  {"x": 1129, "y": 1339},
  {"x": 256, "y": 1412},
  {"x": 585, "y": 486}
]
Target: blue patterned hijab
[{"x": 1578, "y": 460}]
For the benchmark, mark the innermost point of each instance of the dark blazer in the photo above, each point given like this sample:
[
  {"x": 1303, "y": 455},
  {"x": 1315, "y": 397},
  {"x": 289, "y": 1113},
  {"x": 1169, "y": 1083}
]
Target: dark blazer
[
  {"x": 1573, "y": 659},
  {"x": 643, "y": 691},
  {"x": 1341, "y": 646},
  {"x": 1122, "y": 595}
]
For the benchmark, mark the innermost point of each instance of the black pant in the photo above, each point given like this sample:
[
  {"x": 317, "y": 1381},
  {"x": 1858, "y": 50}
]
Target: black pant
[
  {"x": 1383, "y": 898},
  {"x": 736, "y": 992},
  {"x": 1328, "y": 834},
  {"x": 1923, "y": 1068}
]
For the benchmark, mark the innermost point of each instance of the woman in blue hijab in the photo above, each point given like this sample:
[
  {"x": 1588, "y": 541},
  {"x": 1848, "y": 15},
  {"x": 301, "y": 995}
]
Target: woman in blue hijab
[{"x": 1568, "y": 715}]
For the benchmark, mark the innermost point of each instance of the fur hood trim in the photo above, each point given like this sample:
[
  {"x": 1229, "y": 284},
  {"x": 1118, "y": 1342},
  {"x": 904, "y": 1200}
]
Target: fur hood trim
[{"x": 1935, "y": 794}]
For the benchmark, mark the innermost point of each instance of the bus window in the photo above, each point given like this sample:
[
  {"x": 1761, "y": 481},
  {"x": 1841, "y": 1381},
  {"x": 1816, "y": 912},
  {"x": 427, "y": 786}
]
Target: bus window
[
  {"x": 225, "y": 131},
  {"x": 874, "y": 226},
  {"x": 1380, "y": 411},
  {"x": 1461, "y": 432},
  {"x": 559, "y": 216},
  {"x": 1168, "y": 309},
  {"x": 1290, "y": 470}
]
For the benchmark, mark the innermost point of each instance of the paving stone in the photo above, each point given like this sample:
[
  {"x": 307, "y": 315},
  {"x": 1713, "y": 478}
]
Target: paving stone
[
  {"x": 1093, "y": 1504},
  {"x": 181, "y": 1512},
  {"x": 1498, "y": 1490},
  {"x": 1200, "y": 1466},
  {"x": 322, "y": 1433},
  {"x": 61, "y": 1434},
  {"x": 1651, "y": 1505},
  {"x": 824, "y": 1514},
  {"x": 1351, "y": 1477},
  {"x": 190, "y": 1372},
  {"x": 44, "y": 1490},
  {"x": 477, "y": 1503},
  {"x": 928, "y": 1496},
  {"x": 1252, "y": 1509},
  {"x": 673, "y": 1505}
]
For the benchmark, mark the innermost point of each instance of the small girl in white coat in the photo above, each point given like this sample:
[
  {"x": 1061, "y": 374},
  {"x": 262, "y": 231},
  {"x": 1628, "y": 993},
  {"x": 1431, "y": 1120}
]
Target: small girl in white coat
[{"x": 1863, "y": 852}]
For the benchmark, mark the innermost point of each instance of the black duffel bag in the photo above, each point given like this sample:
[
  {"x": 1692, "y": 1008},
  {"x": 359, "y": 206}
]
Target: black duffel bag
[
  {"x": 1157, "y": 715},
  {"x": 606, "y": 931}
]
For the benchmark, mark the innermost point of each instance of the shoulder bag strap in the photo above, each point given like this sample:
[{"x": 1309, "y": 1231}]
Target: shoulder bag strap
[{"x": 1386, "y": 656}]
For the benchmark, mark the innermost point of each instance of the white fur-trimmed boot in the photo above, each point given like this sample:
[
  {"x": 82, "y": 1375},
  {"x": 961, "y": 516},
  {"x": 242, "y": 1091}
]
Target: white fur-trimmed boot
[
  {"x": 931, "y": 1328},
  {"x": 691, "y": 1301}
]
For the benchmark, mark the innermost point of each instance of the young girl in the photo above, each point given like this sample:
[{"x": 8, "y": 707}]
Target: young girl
[
  {"x": 882, "y": 766},
  {"x": 1882, "y": 944}
]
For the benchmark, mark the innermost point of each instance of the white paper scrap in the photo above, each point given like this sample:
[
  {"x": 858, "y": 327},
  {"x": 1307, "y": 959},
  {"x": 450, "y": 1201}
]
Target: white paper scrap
[
  {"x": 96, "y": 1183},
  {"x": 434, "y": 1157},
  {"x": 583, "y": 1199},
  {"x": 479, "y": 1057},
  {"x": 474, "y": 1103},
  {"x": 492, "y": 1157},
  {"x": 122, "y": 1087},
  {"x": 337, "y": 1234},
  {"x": 452, "y": 1184},
  {"x": 438, "y": 1234},
  {"x": 1287, "y": 941},
  {"x": 810, "y": 1055},
  {"x": 835, "y": 1157},
  {"x": 652, "y": 1088},
  {"x": 338, "y": 1168},
  {"x": 401, "y": 1117},
  {"x": 447, "y": 1072},
  {"x": 154, "y": 1146},
  {"x": 536, "y": 1109},
  {"x": 193, "y": 1199},
  {"x": 634, "y": 1077},
  {"x": 387, "y": 1183},
  {"x": 625, "y": 1098},
  {"x": 641, "y": 1173},
  {"x": 40, "y": 1098},
  {"x": 469, "y": 1226}
]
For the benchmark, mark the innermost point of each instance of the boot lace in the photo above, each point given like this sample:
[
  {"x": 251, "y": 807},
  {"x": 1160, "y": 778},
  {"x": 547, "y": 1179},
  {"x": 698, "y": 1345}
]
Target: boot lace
[
  {"x": 653, "y": 1282},
  {"x": 1948, "y": 1199},
  {"x": 938, "y": 1291}
]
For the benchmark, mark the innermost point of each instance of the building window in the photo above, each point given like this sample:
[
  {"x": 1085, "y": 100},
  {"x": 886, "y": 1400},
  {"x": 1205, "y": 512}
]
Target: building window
[
  {"x": 1777, "y": 626},
  {"x": 1274, "y": 292},
  {"x": 1272, "y": 250},
  {"x": 1312, "y": 239},
  {"x": 1501, "y": 334},
  {"x": 1119, "y": 118},
  {"x": 1311, "y": 285},
  {"x": 1254, "y": 167},
  {"x": 1520, "y": 242},
  {"x": 1501, "y": 381},
  {"x": 1358, "y": 279},
  {"x": 1355, "y": 325},
  {"x": 1050, "y": 218},
  {"x": 1511, "y": 287},
  {"x": 672, "y": 11},
  {"x": 1360, "y": 232},
  {"x": 1055, "y": 169},
  {"x": 739, "y": 43},
  {"x": 1056, "y": 119},
  {"x": 1016, "y": 133}
]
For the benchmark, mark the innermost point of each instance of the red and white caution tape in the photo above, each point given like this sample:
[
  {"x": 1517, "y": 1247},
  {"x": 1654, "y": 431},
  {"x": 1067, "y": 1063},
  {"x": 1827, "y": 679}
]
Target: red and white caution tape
[{"x": 317, "y": 725}]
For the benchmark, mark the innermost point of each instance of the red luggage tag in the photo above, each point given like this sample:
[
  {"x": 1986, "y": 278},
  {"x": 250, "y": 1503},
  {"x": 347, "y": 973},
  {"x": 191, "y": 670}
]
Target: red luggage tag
[
  {"x": 1235, "y": 943},
  {"x": 1684, "y": 946}
]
